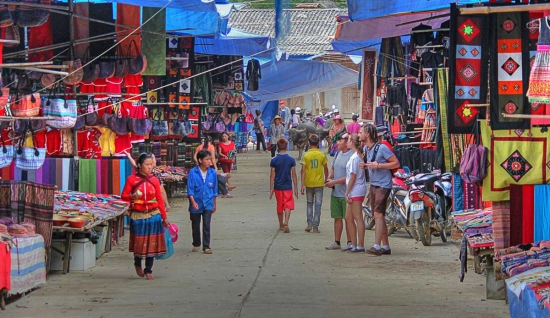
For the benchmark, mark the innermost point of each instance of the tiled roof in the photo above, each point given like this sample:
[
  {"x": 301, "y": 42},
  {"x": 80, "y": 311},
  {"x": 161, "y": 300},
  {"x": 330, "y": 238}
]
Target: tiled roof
[{"x": 309, "y": 31}]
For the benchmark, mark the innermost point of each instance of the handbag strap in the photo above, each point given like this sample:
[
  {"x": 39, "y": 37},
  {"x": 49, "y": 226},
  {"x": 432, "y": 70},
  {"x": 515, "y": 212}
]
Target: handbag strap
[{"x": 138, "y": 53}]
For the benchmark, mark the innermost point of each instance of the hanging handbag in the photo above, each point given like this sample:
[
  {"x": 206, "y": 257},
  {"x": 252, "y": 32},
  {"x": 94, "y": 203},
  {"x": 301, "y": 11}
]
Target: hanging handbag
[
  {"x": 47, "y": 80},
  {"x": 106, "y": 69},
  {"x": 75, "y": 72},
  {"x": 82, "y": 106},
  {"x": 63, "y": 111},
  {"x": 108, "y": 114},
  {"x": 6, "y": 19},
  {"x": 160, "y": 127},
  {"x": 140, "y": 126},
  {"x": 92, "y": 117},
  {"x": 12, "y": 34},
  {"x": 29, "y": 158},
  {"x": 26, "y": 16},
  {"x": 121, "y": 64},
  {"x": 25, "y": 105},
  {"x": 208, "y": 124},
  {"x": 90, "y": 70},
  {"x": 4, "y": 97},
  {"x": 118, "y": 123},
  {"x": 21, "y": 126},
  {"x": 138, "y": 64},
  {"x": 6, "y": 153},
  {"x": 219, "y": 125},
  {"x": 19, "y": 81}
]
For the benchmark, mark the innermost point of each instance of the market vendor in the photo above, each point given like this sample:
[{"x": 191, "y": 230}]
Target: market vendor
[
  {"x": 162, "y": 189},
  {"x": 147, "y": 214}
]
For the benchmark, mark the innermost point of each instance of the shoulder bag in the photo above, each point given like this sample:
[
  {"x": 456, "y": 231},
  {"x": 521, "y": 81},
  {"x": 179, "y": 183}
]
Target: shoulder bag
[
  {"x": 121, "y": 64},
  {"x": 119, "y": 122},
  {"x": 138, "y": 64},
  {"x": 6, "y": 153},
  {"x": 29, "y": 158},
  {"x": 30, "y": 16},
  {"x": 92, "y": 117},
  {"x": 160, "y": 127},
  {"x": 140, "y": 126},
  {"x": 90, "y": 71}
]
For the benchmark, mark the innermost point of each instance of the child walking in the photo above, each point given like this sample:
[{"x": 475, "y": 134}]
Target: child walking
[
  {"x": 202, "y": 189},
  {"x": 314, "y": 175},
  {"x": 282, "y": 178}
]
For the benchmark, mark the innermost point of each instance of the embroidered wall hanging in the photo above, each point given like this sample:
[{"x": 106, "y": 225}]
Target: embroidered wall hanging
[
  {"x": 510, "y": 71},
  {"x": 368, "y": 85},
  {"x": 468, "y": 74},
  {"x": 515, "y": 157}
]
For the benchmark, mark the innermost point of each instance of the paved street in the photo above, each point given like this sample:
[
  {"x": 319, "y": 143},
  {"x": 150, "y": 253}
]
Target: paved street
[{"x": 257, "y": 271}]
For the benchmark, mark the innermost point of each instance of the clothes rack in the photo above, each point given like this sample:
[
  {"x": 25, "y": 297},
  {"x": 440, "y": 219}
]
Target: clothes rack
[
  {"x": 425, "y": 19},
  {"x": 406, "y": 132},
  {"x": 415, "y": 143},
  {"x": 524, "y": 116},
  {"x": 477, "y": 105},
  {"x": 429, "y": 47},
  {"x": 430, "y": 30}
]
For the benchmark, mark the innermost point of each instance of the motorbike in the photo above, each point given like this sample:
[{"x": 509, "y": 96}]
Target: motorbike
[
  {"x": 430, "y": 205},
  {"x": 396, "y": 209}
]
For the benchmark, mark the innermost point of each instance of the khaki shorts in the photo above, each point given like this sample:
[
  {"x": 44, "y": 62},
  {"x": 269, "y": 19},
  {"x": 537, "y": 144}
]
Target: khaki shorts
[
  {"x": 378, "y": 199},
  {"x": 337, "y": 207}
]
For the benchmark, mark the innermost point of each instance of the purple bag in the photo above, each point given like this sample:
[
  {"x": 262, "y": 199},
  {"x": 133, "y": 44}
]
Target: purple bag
[{"x": 219, "y": 126}]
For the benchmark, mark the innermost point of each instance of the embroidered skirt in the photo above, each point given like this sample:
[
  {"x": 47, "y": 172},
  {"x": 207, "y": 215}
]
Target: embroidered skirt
[
  {"x": 147, "y": 236},
  {"x": 539, "y": 80}
]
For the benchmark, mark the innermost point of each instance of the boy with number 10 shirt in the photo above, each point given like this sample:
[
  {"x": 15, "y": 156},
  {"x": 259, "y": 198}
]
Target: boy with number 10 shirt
[{"x": 314, "y": 177}]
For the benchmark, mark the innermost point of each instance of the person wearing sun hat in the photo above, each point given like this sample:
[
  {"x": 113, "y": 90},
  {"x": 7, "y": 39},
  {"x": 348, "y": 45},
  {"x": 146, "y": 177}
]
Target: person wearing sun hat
[
  {"x": 336, "y": 131},
  {"x": 276, "y": 131},
  {"x": 353, "y": 127}
]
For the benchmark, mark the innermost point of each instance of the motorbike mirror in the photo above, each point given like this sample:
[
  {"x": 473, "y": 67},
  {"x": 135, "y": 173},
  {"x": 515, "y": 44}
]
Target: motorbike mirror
[{"x": 406, "y": 169}]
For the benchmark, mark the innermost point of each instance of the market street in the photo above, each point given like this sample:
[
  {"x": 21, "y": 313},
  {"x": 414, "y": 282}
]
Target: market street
[{"x": 257, "y": 271}]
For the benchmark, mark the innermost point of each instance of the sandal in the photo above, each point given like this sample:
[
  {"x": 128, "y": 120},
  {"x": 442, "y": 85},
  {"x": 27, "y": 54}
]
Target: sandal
[
  {"x": 139, "y": 271},
  {"x": 149, "y": 276},
  {"x": 207, "y": 251}
]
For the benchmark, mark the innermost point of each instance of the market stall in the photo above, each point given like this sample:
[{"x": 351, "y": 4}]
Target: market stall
[{"x": 89, "y": 211}]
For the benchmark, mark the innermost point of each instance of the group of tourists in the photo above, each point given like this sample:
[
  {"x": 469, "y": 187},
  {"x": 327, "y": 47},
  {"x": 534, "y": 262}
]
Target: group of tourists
[{"x": 361, "y": 161}]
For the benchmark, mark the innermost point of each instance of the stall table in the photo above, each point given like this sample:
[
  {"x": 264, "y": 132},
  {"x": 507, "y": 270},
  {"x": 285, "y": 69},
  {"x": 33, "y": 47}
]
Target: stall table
[{"x": 69, "y": 231}]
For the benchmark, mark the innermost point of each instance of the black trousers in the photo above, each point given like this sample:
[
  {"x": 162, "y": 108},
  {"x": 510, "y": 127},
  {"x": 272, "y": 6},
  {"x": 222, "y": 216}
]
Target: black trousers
[
  {"x": 196, "y": 228},
  {"x": 273, "y": 150},
  {"x": 260, "y": 139},
  {"x": 148, "y": 264}
]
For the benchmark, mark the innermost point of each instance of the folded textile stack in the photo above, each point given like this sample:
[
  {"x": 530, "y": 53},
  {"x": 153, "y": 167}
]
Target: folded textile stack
[
  {"x": 6, "y": 221},
  {"x": 168, "y": 173},
  {"x": 473, "y": 219},
  {"x": 31, "y": 228},
  {"x": 18, "y": 230},
  {"x": 99, "y": 205},
  {"x": 524, "y": 257}
]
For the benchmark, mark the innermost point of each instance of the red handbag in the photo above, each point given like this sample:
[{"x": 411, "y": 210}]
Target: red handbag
[{"x": 26, "y": 105}]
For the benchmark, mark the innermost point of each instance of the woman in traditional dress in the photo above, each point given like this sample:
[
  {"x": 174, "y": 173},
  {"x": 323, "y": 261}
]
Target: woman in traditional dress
[
  {"x": 147, "y": 214},
  {"x": 336, "y": 131}
]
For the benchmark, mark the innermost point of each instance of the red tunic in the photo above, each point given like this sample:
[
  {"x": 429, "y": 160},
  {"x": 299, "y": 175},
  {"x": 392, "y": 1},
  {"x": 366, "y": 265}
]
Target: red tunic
[{"x": 151, "y": 198}]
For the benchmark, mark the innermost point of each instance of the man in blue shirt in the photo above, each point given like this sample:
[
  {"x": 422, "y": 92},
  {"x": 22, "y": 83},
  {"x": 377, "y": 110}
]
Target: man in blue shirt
[
  {"x": 202, "y": 190},
  {"x": 282, "y": 178}
]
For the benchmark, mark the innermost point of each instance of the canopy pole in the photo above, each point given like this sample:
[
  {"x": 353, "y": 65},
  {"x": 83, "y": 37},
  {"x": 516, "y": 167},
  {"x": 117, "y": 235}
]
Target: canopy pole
[
  {"x": 425, "y": 19},
  {"x": 505, "y": 9}
]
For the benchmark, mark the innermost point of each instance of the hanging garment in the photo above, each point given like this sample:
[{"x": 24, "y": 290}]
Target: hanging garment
[
  {"x": 253, "y": 74},
  {"x": 444, "y": 38},
  {"x": 154, "y": 44},
  {"x": 103, "y": 12},
  {"x": 416, "y": 98},
  {"x": 421, "y": 38},
  {"x": 129, "y": 15},
  {"x": 542, "y": 213},
  {"x": 539, "y": 80},
  {"x": 81, "y": 27},
  {"x": 41, "y": 36},
  {"x": 396, "y": 101},
  {"x": 391, "y": 53}
]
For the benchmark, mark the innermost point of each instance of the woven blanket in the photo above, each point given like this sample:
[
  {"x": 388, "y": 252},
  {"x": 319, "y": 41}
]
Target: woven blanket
[
  {"x": 536, "y": 108},
  {"x": 542, "y": 212},
  {"x": 468, "y": 73},
  {"x": 515, "y": 157},
  {"x": 510, "y": 73},
  {"x": 154, "y": 45},
  {"x": 103, "y": 176},
  {"x": 28, "y": 267},
  {"x": 54, "y": 171}
]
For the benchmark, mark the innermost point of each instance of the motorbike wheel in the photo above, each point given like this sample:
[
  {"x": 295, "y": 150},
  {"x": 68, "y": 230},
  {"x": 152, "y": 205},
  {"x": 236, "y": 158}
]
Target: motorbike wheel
[
  {"x": 409, "y": 232},
  {"x": 369, "y": 220},
  {"x": 423, "y": 229}
]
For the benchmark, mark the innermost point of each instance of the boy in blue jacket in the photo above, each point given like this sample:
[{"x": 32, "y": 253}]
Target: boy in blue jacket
[{"x": 202, "y": 189}]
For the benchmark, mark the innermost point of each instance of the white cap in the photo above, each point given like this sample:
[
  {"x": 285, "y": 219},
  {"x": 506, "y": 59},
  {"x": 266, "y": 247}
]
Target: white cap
[
  {"x": 336, "y": 111},
  {"x": 297, "y": 109}
]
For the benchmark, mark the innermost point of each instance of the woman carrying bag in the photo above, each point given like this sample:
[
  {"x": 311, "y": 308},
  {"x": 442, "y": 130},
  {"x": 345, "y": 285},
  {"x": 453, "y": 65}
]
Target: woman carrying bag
[{"x": 147, "y": 214}]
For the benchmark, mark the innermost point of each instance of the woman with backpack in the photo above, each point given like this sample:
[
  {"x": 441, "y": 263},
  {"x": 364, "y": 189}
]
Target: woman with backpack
[{"x": 259, "y": 130}]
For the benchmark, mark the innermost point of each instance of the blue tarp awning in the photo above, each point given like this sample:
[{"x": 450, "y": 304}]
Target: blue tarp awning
[
  {"x": 236, "y": 42},
  {"x": 291, "y": 78},
  {"x": 366, "y": 9}
]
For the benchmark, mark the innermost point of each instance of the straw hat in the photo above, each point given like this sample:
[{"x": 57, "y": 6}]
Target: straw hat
[
  {"x": 337, "y": 117},
  {"x": 277, "y": 117}
]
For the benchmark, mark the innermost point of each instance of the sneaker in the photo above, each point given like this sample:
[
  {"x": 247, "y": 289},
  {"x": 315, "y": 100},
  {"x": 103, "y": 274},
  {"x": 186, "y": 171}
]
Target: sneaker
[
  {"x": 358, "y": 250},
  {"x": 373, "y": 251},
  {"x": 196, "y": 248},
  {"x": 332, "y": 247},
  {"x": 386, "y": 251},
  {"x": 348, "y": 248},
  {"x": 286, "y": 229},
  {"x": 308, "y": 228},
  {"x": 227, "y": 196},
  {"x": 316, "y": 231},
  {"x": 207, "y": 251}
]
